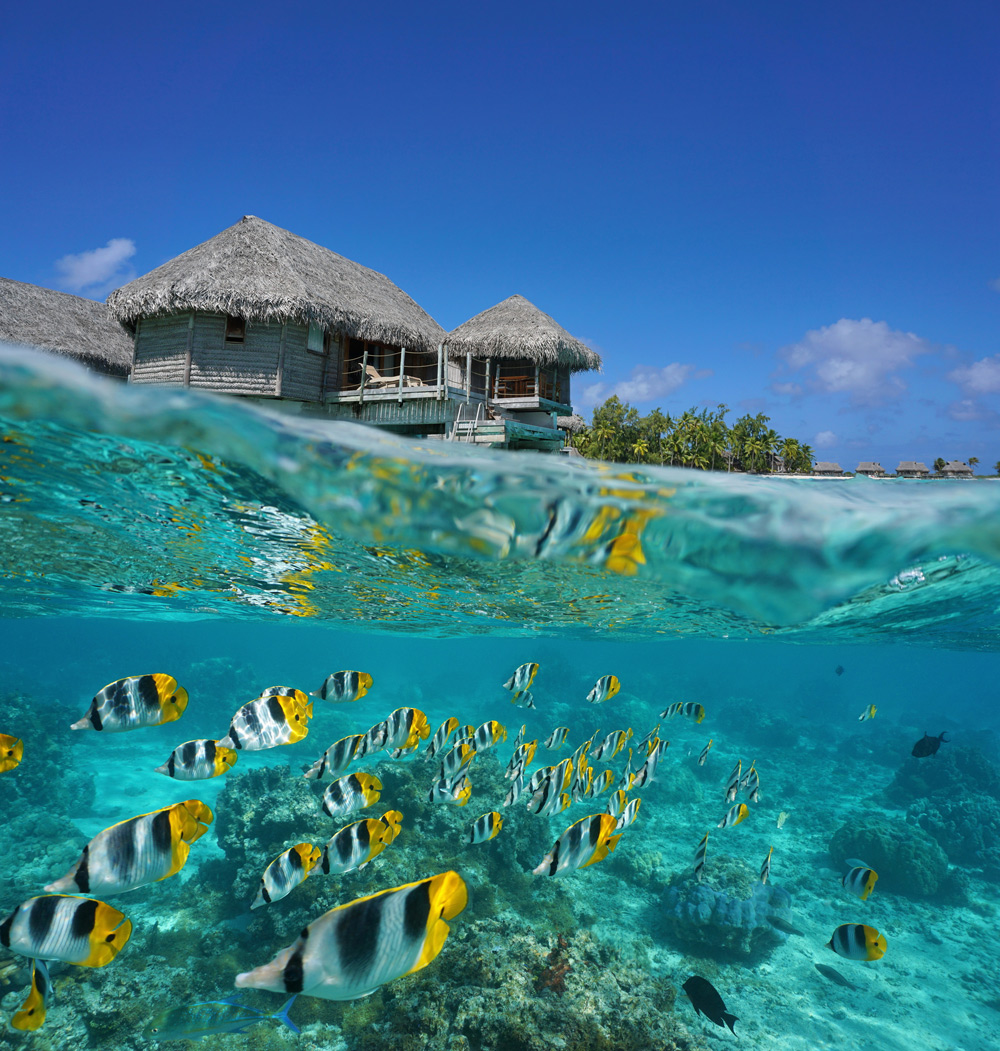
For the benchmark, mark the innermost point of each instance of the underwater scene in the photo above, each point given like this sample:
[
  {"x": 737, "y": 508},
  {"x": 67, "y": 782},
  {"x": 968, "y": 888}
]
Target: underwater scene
[{"x": 317, "y": 737}]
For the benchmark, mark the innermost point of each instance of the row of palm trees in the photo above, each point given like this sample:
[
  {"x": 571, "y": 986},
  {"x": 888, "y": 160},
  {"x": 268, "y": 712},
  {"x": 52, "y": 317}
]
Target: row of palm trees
[{"x": 696, "y": 438}]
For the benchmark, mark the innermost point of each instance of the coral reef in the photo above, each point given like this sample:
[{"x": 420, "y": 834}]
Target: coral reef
[
  {"x": 907, "y": 859},
  {"x": 726, "y": 914},
  {"x": 954, "y": 772}
]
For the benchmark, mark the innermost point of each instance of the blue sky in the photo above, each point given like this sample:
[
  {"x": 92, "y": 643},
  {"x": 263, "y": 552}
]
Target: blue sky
[{"x": 786, "y": 207}]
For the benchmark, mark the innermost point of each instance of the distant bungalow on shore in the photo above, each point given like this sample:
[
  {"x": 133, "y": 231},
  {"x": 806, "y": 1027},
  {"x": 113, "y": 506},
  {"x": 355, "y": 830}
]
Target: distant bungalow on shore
[{"x": 261, "y": 313}]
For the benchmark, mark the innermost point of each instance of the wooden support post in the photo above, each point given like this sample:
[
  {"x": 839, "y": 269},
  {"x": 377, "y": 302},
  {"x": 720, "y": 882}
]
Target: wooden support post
[
  {"x": 281, "y": 360},
  {"x": 487, "y": 383},
  {"x": 440, "y": 383},
  {"x": 187, "y": 352},
  {"x": 364, "y": 376},
  {"x": 402, "y": 362},
  {"x": 537, "y": 391},
  {"x": 468, "y": 375}
]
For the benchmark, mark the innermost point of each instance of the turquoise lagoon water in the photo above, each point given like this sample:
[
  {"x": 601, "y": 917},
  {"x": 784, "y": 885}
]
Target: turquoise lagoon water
[{"x": 147, "y": 530}]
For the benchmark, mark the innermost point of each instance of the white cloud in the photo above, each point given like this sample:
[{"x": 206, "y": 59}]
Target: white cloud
[
  {"x": 860, "y": 358},
  {"x": 591, "y": 395},
  {"x": 101, "y": 266},
  {"x": 793, "y": 390},
  {"x": 981, "y": 377},
  {"x": 824, "y": 440},
  {"x": 645, "y": 384}
]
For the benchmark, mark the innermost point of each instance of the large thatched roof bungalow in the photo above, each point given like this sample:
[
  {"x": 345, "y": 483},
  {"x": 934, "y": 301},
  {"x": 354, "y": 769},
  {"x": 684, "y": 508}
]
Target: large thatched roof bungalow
[
  {"x": 871, "y": 469},
  {"x": 912, "y": 469},
  {"x": 63, "y": 324},
  {"x": 259, "y": 311},
  {"x": 956, "y": 469}
]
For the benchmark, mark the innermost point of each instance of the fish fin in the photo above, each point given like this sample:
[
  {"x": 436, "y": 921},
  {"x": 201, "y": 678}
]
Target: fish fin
[
  {"x": 282, "y": 1014},
  {"x": 729, "y": 1019}
]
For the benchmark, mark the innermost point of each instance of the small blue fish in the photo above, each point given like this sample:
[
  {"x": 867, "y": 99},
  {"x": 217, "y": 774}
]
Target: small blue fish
[{"x": 194, "y": 1021}]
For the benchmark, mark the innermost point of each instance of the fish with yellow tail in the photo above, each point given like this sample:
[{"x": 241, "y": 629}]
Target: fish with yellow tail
[
  {"x": 647, "y": 772},
  {"x": 860, "y": 881},
  {"x": 548, "y": 799},
  {"x": 752, "y": 783},
  {"x": 198, "y": 761},
  {"x": 645, "y": 743},
  {"x": 350, "y": 793},
  {"x": 520, "y": 736},
  {"x": 584, "y": 843},
  {"x": 868, "y": 713},
  {"x": 11, "y": 751},
  {"x": 486, "y": 736},
  {"x": 525, "y": 699},
  {"x": 520, "y": 682},
  {"x": 628, "y": 815},
  {"x": 733, "y": 785},
  {"x": 343, "y": 687},
  {"x": 690, "y": 710},
  {"x": 353, "y": 949},
  {"x": 50, "y": 927},
  {"x": 353, "y": 846},
  {"x": 457, "y": 790},
  {"x": 521, "y": 759},
  {"x": 557, "y": 738},
  {"x": 285, "y": 873},
  {"x": 141, "y": 850},
  {"x": 617, "y": 804},
  {"x": 269, "y": 721},
  {"x": 441, "y": 735},
  {"x": 765, "y": 869},
  {"x": 734, "y": 815},
  {"x": 336, "y": 759},
  {"x": 604, "y": 689},
  {"x": 405, "y": 729},
  {"x": 134, "y": 702},
  {"x": 601, "y": 783},
  {"x": 699, "y": 858},
  {"x": 485, "y": 828},
  {"x": 857, "y": 941},
  {"x": 457, "y": 757},
  {"x": 705, "y": 751},
  {"x": 31, "y": 1015},
  {"x": 611, "y": 745},
  {"x": 514, "y": 793}
]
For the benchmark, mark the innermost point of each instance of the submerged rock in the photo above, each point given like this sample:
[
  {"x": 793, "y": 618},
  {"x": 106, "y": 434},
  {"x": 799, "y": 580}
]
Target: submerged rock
[{"x": 907, "y": 859}]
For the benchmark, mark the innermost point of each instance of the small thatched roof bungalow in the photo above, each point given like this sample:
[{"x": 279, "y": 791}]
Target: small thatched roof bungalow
[
  {"x": 530, "y": 355},
  {"x": 956, "y": 469},
  {"x": 871, "y": 468},
  {"x": 912, "y": 469},
  {"x": 827, "y": 469},
  {"x": 258, "y": 310},
  {"x": 63, "y": 324}
]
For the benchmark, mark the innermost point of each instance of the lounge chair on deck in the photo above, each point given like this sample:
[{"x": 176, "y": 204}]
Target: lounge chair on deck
[{"x": 376, "y": 379}]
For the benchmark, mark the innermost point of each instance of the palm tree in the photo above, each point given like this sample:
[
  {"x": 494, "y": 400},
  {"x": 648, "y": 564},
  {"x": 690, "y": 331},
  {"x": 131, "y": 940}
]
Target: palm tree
[
  {"x": 973, "y": 460},
  {"x": 640, "y": 450},
  {"x": 939, "y": 464}
]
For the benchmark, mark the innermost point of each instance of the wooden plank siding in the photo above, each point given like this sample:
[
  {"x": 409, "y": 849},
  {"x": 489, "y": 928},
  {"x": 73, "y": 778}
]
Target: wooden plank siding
[
  {"x": 160, "y": 349},
  {"x": 250, "y": 367},
  {"x": 302, "y": 374}
]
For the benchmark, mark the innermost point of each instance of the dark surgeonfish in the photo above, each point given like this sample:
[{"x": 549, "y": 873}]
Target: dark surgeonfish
[
  {"x": 135, "y": 701},
  {"x": 194, "y": 1021},
  {"x": 928, "y": 745},
  {"x": 31, "y": 1015},
  {"x": 705, "y": 1000},
  {"x": 50, "y": 927},
  {"x": 839, "y": 669},
  {"x": 141, "y": 850},
  {"x": 353, "y": 949},
  {"x": 836, "y": 977}
]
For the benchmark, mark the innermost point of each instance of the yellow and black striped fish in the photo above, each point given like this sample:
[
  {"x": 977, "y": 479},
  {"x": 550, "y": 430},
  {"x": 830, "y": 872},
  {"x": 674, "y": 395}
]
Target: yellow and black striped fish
[
  {"x": 50, "y": 927},
  {"x": 441, "y": 735},
  {"x": 765, "y": 869},
  {"x": 522, "y": 679},
  {"x": 611, "y": 745},
  {"x": 342, "y": 687},
  {"x": 141, "y": 850},
  {"x": 489, "y": 734},
  {"x": 860, "y": 881},
  {"x": 557, "y": 738},
  {"x": 690, "y": 710},
  {"x": 350, "y": 793},
  {"x": 285, "y": 873},
  {"x": 646, "y": 773},
  {"x": 705, "y": 751},
  {"x": 514, "y": 793},
  {"x": 11, "y": 751},
  {"x": 457, "y": 790},
  {"x": 336, "y": 759},
  {"x": 353, "y": 949},
  {"x": 733, "y": 784},
  {"x": 133, "y": 702},
  {"x": 522, "y": 757},
  {"x": 353, "y": 846},
  {"x": 31, "y": 1015},
  {"x": 268, "y": 721},
  {"x": 617, "y": 804},
  {"x": 699, "y": 858},
  {"x": 604, "y": 689},
  {"x": 734, "y": 815},
  {"x": 198, "y": 761},
  {"x": 458, "y": 756},
  {"x": 405, "y": 729},
  {"x": 868, "y": 713},
  {"x": 584, "y": 843},
  {"x": 857, "y": 941},
  {"x": 628, "y": 815},
  {"x": 486, "y": 827}
]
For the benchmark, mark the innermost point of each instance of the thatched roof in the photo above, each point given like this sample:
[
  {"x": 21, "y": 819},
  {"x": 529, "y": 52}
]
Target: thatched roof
[
  {"x": 70, "y": 325},
  {"x": 868, "y": 465},
  {"x": 912, "y": 465},
  {"x": 516, "y": 328},
  {"x": 827, "y": 467},
  {"x": 956, "y": 467},
  {"x": 260, "y": 272},
  {"x": 574, "y": 424}
]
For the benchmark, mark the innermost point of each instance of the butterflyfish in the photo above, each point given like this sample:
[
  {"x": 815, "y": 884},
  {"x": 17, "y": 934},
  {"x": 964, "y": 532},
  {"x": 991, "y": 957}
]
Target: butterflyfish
[
  {"x": 489, "y": 734},
  {"x": 857, "y": 941},
  {"x": 11, "y": 751},
  {"x": 548, "y": 799},
  {"x": 198, "y": 761},
  {"x": 733, "y": 785},
  {"x": 353, "y": 846},
  {"x": 405, "y": 729},
  {"x": 351, "y": 792},
  {"x": 50, "y": 927},
  {"x": 458, "y": 756},
  {"x": 647, "y": 772},
  {"x": 516, "y": 788},
  {"x": 285, "y": 873},
  {"x": 644, "y": 743},
  {"x": 141, "y": 850},
  {"x": 525, "y": 699},
  {"x": 521, "y": 680},
  {"x": 441, "y": 735},
  {"x": 617, "y": 804},
  {"x": 581, "y": 785},
  {"x": 689, "y": 709},
  {"x": 625, "y": 782},
  {"x": 520, "y": 736},
  {"x": 765, "y": 869},
  {"x": 704, "y": 752},
  {"x": 373, "y": 741},
  {"x": 860, "y": 881},
  {"x": 734, "y": 815},
  {"x": 31, "y": 1015},
  {"x": 522, "y": 757},
  {"x": 601, "y": 783},
  {"x": 557, "y": 738},
  {"x": 486, "y": 827},
  {"x": 133, "y": 702},
  {"x": 353, "y": 949},
  {"x": 584, "y": 843},
  {"x": 699, "y": 858},
  {"x": 628, "y": 815},
  {"x": 868, "y": 713},
  {"x": 267, "y": 722},
  {"x": 753, "y": 785},
  {"x": 456, "y": 790},
  {"x": 336, "y": 759},
  {"x": 705, "y": 1000},
  {"x": 604, "y": 689},
  {"x": 342, "y": 687}
]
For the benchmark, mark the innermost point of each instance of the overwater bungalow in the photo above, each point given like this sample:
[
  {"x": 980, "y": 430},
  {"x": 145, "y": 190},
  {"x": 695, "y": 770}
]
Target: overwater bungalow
[
  {"x": 260, "y": 312},
  {"x": 870, "y": 469},
  {"x": 912, "y": 469},
  {"x": 956, "y": 469},
  {"x": 827, "y": 469},
  {"x": 63, "y": 324}
]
